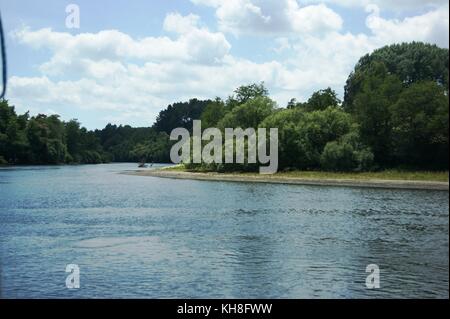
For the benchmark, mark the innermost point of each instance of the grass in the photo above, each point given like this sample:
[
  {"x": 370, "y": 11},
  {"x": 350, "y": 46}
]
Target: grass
[
  {"x": 381, "y": 175},
  {"x": 391, "y": 174}
]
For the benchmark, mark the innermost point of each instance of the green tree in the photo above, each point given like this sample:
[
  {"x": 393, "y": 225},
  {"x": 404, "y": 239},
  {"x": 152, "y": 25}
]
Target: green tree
[
  {"x": 213, "y": 113},
  {"x": 347, "y": 154},
  {"x": 322, "y": 99},
  {"x": 180, "y": 115},
  {"x": 317, "y": 129},
  {"x": 46, "y": 137},
  {"x": 286, "y": 120},
  {"x": 14, "y": 147},
  {"x": 249, "y": 114},
  {"x": 247, "y": 92},
  {"x": 420, "y": 126},
  {"x": 73, "y": 139},
  {"x": 410, "y": 62},
  {"x": 371, "y": 109}
]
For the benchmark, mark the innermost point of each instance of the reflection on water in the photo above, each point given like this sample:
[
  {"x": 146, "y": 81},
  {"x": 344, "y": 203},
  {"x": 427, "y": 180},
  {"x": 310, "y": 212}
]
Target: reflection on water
[{"x": 145, "y": 237}]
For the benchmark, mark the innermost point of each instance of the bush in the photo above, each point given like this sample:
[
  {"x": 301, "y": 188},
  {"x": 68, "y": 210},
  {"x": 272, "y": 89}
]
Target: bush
[
  {"x": 347, "y": 154},
  {"x": 365, "y": 159},
  {"x": 338, "y": 157}
]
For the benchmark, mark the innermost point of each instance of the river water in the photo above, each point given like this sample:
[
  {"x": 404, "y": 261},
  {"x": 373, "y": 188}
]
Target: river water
[{"x": 146, "y": 237}]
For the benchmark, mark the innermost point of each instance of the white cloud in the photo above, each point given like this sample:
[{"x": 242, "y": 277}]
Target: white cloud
[
  {"x": 313, "y": 19},
  {"x": 396, "y": 5},
  {"x": 432, "y": 26},
  {"x": 175, "y": 22},
  {"x": 115, "y": 45},
  {"x": 273, "y": 17},
  {"x": 129, "y": 80}
]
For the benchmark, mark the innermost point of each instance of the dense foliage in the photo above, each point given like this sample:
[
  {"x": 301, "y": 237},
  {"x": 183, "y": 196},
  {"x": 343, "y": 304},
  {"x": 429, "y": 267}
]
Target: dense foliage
[
  {"x": 394, "y": 114},
  {"x": 48, "y": 140},
  {"x": 180, "y": 114},
  {"x": 399, "y": 97}
]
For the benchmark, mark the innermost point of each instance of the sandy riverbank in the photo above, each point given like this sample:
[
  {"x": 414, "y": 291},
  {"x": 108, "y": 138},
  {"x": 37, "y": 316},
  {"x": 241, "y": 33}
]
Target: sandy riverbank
[{"x": 276, "y": 179}]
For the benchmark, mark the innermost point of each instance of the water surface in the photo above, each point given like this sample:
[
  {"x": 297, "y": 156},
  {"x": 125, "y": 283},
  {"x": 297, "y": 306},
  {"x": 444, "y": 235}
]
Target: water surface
[{"x": 146, "y": 237}]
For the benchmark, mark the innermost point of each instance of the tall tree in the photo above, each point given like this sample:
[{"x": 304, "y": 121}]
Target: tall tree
[
  {"x": 420, "y": 126},
  {"x": 379, "y": 90},
  {"x": 410, "y": 62}
]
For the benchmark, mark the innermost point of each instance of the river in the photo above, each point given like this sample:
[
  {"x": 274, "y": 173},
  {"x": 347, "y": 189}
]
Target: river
[{"x": 147, "y": 237}]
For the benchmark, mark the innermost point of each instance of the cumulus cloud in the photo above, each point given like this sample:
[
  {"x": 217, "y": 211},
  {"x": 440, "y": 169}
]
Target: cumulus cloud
[
  {"x": 273, "y": 17},
  {"x": 115, "y": 46},
  {"x": 397, "y": 5},
  {"x": 175, "y": 22},
  {"x": 130, "y": 79},
  {"x": 432, "y": 26}
]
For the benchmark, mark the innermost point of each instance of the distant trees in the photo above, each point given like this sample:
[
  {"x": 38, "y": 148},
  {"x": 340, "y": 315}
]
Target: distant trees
[
  {"x": 394, "y": 114},
  {"x": 45, "y": 135},
  {"x": 124, "y": 144},
  {"x": 48, "y": 140},
  {"x": 180, "y": 114},
  {"x": 13, "y": 140},
  {"x": 39, "y": 139}
]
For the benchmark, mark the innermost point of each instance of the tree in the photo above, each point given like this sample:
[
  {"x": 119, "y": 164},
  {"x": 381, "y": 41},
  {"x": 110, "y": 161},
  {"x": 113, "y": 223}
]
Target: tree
[
  {"x": 322, "y": 99},
  {"x": 249, "y": 114},
  {"x": 286, "y": 120},
  {"x": 371, "y": 110},
  {"x": 410, "y": 62},
  {"x": 372, "y": 94},
  {"x": 180, "y": 115},
  {"x": 317, "y": 129},
  {"x": 155, "y": 149},
  {"x": 213, "y": 113},
  {"x": 347, "y": 154},
  {"x": 14, "y": 147},
  {"x": 73, "y": 139},
  {"x": 245, "y": 93},
  {"x": 420, "y": 126},
  {"x": 46, "y": 137}
]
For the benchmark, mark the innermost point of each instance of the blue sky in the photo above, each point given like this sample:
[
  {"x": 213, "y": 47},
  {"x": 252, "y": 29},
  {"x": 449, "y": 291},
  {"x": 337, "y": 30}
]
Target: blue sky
[{"x": 130, "y": 59}]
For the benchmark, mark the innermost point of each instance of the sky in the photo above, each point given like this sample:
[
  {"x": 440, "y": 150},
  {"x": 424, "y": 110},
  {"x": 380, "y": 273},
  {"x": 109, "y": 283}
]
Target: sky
[{"x": 129, "y": 59}]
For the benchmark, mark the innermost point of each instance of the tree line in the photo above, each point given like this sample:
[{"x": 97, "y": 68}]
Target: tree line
[{"x": 394, "y": 114}]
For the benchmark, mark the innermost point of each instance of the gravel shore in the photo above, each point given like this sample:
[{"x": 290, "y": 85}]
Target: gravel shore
[{"x": 223, "y": 177}]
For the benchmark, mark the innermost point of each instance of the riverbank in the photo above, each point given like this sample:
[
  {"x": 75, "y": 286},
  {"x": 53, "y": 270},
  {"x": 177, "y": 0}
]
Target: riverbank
[{"x": 296, "y": 178}]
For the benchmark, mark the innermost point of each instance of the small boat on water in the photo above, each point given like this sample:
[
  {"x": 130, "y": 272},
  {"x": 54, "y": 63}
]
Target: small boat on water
[{"x": 142, "y": 165}]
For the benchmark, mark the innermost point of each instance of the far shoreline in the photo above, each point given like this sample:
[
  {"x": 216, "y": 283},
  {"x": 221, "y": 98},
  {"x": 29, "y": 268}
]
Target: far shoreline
[{"x": 278, "y": 179}]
